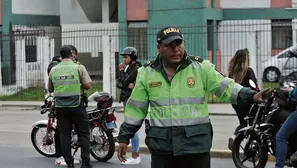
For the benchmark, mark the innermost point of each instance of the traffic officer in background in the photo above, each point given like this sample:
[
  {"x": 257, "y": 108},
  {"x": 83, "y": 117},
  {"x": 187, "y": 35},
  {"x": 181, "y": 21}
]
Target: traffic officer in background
[
  {"x": 66, "y": 80},
  {"x": 179, "y": 133}
]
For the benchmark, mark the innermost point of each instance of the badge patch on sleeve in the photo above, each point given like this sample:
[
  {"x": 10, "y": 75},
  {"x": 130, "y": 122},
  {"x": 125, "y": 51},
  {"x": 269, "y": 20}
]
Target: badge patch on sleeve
[{"x": 155, "y": 84}]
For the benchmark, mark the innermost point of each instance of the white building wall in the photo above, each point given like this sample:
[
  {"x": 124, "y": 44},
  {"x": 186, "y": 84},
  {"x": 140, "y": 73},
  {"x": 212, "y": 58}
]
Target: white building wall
[
  {"x": 294, "y": 3},
  {"x": 245, "y": 3},
  {"x": 234, "y": 35},
  {"x": 87, "y": 11},
  {"x": 71, "y": 12},
  {"x": 36, "y": 7}
]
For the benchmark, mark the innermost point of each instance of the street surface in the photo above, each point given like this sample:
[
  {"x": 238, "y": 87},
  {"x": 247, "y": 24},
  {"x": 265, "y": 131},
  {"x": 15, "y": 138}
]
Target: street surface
[
  {"x": 12, "y": 157},
  {"x": 17, "y": 126},
  {"x": 17, "y": 151}
]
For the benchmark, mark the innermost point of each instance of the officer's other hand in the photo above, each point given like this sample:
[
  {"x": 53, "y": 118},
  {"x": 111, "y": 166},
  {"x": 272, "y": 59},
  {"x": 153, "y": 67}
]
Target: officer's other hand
[
  {"x": 258, "y": 97},
  {"x": 122, "y": 152},
  {"x": 121, "y": 66}
]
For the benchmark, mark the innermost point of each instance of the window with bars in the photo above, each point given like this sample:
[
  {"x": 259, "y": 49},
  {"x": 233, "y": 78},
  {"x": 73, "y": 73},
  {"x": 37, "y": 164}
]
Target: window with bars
[
  {"x": 137, "y": 37},
  {"x": 281, "y": 34}
]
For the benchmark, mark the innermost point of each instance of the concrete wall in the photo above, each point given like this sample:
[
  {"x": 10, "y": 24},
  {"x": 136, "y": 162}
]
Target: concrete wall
[
  {"x": 184, "y": 15},
  {"x": 82, "y": 11},
  {"x": 36, "y": 7},
  {"x": 137, "y": 10},
  {"x": 71, "y": 12},
  {"x": 245, "y": 3},
  {"x": 1, "y": 11}
]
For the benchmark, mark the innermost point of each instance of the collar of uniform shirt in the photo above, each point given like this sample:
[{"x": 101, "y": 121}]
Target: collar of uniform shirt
[{"x": 66, "y": 59}]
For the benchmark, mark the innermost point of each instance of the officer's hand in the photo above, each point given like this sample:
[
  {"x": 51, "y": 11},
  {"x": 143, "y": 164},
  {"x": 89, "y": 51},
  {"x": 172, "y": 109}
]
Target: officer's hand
[
  {"x": 258, "y": 97},
  {"x": 122, "y": 152}
]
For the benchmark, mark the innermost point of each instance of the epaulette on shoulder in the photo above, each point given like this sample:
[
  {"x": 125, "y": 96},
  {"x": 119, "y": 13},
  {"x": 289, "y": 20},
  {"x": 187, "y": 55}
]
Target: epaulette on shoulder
[
  {"x": 148, "y": 63},
  {"x": 197, "y": 58}
]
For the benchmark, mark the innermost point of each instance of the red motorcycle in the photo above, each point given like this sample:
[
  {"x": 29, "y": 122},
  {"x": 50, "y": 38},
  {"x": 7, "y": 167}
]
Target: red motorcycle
[{"x": 102, "y": 128}]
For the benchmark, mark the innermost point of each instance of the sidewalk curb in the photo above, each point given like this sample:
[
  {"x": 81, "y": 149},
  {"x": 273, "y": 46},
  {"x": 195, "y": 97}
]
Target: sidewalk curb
[
  {"x": 25, "y": 107},
  {"x": 215, "y": 153}
]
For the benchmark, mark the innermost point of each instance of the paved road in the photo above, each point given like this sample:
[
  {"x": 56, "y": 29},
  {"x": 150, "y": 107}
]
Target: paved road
[
  {"x": 17, "y": 124},
  {"x": 13, "y": 157},
  {"x": 21, "y": 121},
  {"x": 17, "y": 151}
]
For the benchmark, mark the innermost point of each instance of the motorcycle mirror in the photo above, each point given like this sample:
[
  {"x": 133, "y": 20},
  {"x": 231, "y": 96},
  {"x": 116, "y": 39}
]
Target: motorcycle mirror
[{"x": 252, "y": 84}]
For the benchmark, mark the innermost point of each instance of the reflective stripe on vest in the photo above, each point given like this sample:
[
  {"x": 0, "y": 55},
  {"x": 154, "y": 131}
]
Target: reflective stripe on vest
[
  {"x": 173, "y": 111},
  {"x": 67, "y": 86},
  {"x": 66, "y": 82},
  {"x": 138, "y": 104},
  {"x": 179, "y": 122},
  {"x": 169, "y": 122},
  {"x": 177, "y": 101},
  {"x": 224, "y": 85},
  {"x": 133, "y": 121}
]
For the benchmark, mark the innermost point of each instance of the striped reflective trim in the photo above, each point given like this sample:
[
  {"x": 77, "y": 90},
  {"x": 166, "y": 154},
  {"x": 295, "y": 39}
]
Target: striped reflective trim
[
  {"x": 237, "y": 87},
  {"x": 67, "y": 94},
  {"x": 133, "y": 121},
  {"x": 179, "y": 122},
  {"x": 150, "y": 70},
  {"x": 223, "y": 86},
  {"x": 195, "y": 64},
  {"x": 177, "y": 101},
  {"x": 137, "y": 104},
  {"x": 66, "y": 82}
]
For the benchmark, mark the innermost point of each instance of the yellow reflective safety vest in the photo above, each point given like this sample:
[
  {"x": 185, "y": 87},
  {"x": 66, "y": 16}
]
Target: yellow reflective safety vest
[
  {"x": 67, "y": 86},
  {"x": 178, "y": 108}
]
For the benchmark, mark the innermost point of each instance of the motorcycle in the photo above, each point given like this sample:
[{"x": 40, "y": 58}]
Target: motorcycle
[
  {"x": 265, "y": 120},
  {"x": 102, "y": 128}
]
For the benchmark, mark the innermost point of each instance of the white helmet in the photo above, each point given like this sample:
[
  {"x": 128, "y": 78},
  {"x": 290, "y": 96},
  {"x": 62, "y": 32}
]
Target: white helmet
[{"x": 293, "y": 51}]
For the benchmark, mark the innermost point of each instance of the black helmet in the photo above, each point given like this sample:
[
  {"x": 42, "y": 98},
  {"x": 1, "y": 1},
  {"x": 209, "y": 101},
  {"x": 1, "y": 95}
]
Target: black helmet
[
  {"x": 131, "y": 51},
  {"x": 293, "y": 51}
]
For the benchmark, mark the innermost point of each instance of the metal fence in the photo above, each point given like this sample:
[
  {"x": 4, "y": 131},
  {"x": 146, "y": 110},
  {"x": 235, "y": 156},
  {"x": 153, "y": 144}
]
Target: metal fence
[{"x": 26, "y": 51}]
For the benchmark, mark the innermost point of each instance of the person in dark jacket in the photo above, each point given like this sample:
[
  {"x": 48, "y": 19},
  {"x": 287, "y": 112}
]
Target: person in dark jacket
[
  {"x": 55, "y": 61},
  {"x": 239, "y": 70},
  {"x": 128, "y": 72}
]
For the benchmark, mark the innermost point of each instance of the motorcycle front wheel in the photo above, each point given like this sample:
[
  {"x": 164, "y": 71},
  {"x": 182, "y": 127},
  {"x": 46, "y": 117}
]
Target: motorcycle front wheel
[
  {"x": 255, "y": 156},
  {"x": 102, "y": 144},
  {"x": 42, "y": 141}
]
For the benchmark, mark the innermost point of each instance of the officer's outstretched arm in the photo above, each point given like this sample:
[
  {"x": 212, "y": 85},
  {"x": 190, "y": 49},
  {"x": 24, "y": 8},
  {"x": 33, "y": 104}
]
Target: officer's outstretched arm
[
  {"x": 223, "y": 87},
  {"x": 136, "y": 109}
]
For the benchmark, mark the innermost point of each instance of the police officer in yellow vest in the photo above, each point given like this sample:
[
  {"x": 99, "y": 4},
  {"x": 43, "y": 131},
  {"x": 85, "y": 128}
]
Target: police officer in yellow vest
[
  {"x": 175, "y": 87},
  {"x": 66, "y": 80}
]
